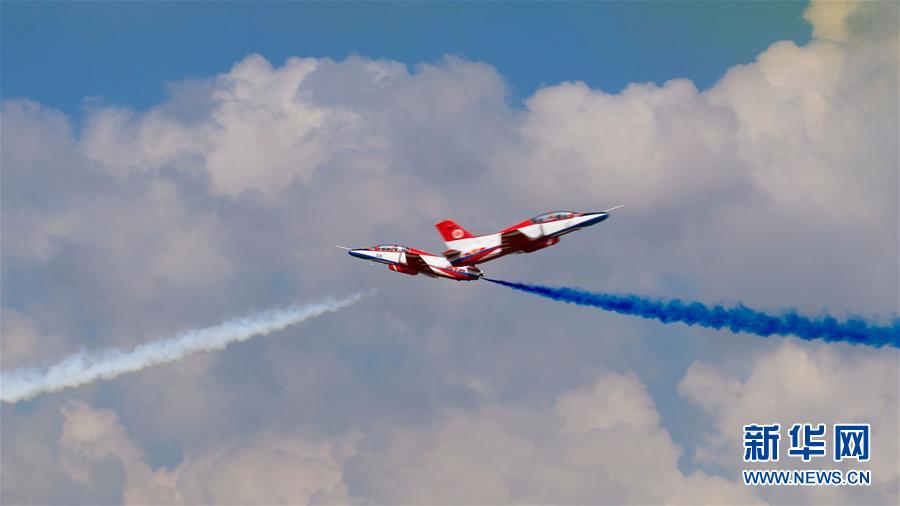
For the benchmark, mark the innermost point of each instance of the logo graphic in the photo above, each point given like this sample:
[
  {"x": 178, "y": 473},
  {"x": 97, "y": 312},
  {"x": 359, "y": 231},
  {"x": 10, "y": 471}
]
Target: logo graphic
[
  {"x": 806, "y": 441},
  {"x": 851, "y": 441},
  {"x": 761, "y": 442},
  {"x": 457, "y": 233}
]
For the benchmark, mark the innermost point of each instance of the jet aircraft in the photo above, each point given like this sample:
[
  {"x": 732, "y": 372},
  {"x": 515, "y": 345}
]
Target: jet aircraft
[
  {"x": 415, "y": 261},
  {"x": 539, "y": 232}
]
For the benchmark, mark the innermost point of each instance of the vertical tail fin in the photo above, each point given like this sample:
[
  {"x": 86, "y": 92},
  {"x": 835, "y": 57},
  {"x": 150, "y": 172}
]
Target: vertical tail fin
[{"x": 450, "y": 231}]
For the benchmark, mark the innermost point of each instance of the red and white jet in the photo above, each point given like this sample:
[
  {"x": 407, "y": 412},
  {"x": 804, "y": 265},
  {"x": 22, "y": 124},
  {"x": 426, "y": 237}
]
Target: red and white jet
[
  {"x": 539, "y": 232},
  {"x": 415, "y": 261}
]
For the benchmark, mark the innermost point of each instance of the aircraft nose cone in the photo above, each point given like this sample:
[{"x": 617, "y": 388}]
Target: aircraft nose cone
[
  {"x": 595, "y": 218},
  {"x": 357, "y": 253}
]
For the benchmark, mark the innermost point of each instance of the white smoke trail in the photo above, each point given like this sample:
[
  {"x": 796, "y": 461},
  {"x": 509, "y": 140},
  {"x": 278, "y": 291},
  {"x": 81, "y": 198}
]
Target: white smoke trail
[{"x": 79, "y": 369}]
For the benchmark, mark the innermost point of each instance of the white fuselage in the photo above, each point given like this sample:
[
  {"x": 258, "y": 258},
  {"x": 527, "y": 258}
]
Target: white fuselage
[{"x": 488, "y": 247}]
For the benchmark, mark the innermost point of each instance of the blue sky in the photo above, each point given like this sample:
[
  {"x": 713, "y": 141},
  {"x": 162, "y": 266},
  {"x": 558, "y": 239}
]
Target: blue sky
[
  {"x": 121, "y": 227},
  {"x": 59, "y": 53}
]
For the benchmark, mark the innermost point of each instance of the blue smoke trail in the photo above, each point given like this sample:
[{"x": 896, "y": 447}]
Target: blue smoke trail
[{"x": 737, "y": 319}]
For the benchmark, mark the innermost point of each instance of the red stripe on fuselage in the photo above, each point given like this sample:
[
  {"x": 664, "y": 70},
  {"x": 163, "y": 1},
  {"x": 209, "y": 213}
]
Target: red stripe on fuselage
[
  {"x": 474, "y": 258},
  {"x": 517, "y": 226}
]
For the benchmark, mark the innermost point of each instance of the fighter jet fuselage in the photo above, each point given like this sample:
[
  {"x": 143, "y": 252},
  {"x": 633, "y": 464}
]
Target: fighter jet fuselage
[
  {"x": 464, "y": 248},
  {"x": 414, "y": 261}
]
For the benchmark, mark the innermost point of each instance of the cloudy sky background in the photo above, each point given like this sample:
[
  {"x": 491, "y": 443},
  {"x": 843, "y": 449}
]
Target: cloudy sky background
[{"x": 774, "y": 183}]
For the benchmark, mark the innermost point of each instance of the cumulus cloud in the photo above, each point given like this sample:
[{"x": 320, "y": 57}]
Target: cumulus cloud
[
  {"x": 23, "y": 343},
  {"x": 803, "y": 384},
  {"x": 776, "y": 186},
  {"x": 501, "y": 454},
  {"x": 601, "y": 443},
  {"x": 829, "y": 19},
  {"x": 281, "y": 471},
  {"x": 805, "y": 134},
  {"x": 266, "y": 128}
]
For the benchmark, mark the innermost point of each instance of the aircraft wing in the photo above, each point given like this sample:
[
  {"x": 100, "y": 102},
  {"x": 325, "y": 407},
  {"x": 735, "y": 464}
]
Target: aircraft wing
[
  {"x": 416, "y": 262},
  {"x": 514, "y": 241}
]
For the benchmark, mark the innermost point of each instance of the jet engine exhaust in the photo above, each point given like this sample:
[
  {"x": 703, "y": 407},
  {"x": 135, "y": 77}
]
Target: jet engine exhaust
[
  {"x": 83, "y": 368},
  {"x": 738, "y": 318}
]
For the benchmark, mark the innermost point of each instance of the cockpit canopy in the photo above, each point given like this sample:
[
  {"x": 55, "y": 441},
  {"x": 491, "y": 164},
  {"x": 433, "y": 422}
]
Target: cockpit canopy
[
  {"x": 390, "y": 247},
  {"x": 555, "y": 215}
]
